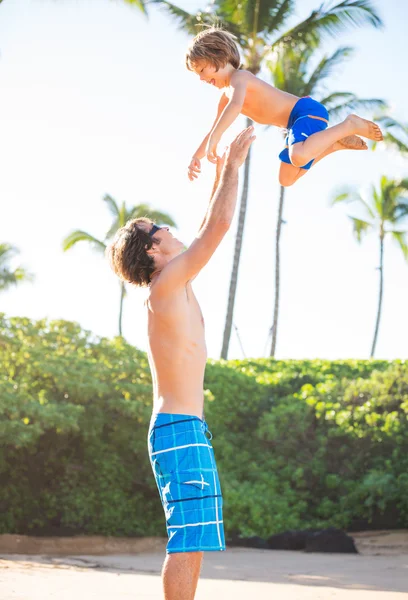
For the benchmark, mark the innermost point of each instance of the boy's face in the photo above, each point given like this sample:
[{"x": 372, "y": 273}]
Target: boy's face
[{"x": 208, "y": 73}]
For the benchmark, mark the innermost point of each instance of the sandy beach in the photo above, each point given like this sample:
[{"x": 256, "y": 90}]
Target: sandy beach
[{"x": 379, "y": 572}]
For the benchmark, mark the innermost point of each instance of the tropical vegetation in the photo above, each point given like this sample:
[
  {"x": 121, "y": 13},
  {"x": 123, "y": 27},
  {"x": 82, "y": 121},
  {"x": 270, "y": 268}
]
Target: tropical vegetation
[
  {"x": 9, "y": 274},
  {"x": 320, "y": 443},
  {"x": 385, "y": 213}
]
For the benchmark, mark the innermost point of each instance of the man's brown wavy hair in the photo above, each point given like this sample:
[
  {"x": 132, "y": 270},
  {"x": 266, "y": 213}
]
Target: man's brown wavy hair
[
  {"x": 214, "y": 45},
  {"x": 127, "y": 253}
]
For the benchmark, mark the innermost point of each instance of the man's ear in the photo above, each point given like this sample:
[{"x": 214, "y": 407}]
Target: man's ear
[{"x": 153, "y": 250}]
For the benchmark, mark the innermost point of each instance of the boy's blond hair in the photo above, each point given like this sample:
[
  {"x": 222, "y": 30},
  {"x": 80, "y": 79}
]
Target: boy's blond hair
[{"x": 214, "y": 45}]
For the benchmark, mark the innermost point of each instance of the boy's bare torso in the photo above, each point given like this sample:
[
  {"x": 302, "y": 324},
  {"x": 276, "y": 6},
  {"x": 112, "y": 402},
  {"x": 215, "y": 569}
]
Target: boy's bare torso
[
  {"x": 177, "y": 352},
  {"x": 264, "y": 103}
]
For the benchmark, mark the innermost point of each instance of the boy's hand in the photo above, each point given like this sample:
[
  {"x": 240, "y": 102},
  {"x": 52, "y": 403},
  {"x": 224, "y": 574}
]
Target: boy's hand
[
  {"x": 211, "y": 150},
  {"x": 194, "y": 168}
]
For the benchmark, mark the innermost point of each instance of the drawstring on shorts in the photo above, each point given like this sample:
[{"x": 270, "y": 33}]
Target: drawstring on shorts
[{"x": 206, "y": 430}]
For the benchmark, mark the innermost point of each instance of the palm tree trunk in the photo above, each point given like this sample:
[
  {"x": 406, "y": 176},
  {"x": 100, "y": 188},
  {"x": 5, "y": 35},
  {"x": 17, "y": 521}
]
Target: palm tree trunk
[
  {"x": 122, "y": 295},
  {"x": 277, "y": 271},
  {"x": 380, "y": 296},
  {"x": 237, "y": 254}
]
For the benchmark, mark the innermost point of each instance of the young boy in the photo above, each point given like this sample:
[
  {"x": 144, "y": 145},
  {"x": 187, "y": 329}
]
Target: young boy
[{"x": 214, "y": 57}]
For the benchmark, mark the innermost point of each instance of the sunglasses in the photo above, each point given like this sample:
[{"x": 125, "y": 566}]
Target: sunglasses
[{"x": 156, "y": 228}]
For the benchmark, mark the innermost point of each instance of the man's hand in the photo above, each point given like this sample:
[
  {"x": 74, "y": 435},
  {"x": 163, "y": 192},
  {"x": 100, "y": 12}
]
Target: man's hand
[
  {"x": 211, "y": 150},
  {"x": 238, "y": 150},
  {"x": 194, "y": 168},
  {"x": 220, "y": 165}
]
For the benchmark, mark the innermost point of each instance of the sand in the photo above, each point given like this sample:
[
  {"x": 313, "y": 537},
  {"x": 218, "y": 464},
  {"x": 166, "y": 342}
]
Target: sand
[{"x": 380, "y": 572}]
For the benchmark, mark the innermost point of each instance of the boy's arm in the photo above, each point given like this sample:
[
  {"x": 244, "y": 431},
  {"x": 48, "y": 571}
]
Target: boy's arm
[
  {"x": 229, "y": 114},
  {"x": 195, "y": 166},
  {"x": 200, "y": 152}
]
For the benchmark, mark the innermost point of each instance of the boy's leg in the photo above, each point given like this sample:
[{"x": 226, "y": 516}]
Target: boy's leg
[
  {"x": 288, "y": 174},
  {"x": 181, "y": 571},
  {"x": 318, "y": 143}
]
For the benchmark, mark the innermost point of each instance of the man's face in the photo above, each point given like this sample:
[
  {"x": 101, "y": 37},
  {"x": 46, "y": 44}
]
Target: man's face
[{"x": 168, "y": 244}]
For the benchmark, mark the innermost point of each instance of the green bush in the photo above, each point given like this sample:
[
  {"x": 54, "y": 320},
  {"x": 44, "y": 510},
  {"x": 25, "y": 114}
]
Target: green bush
[{"x": 298, "y": 443}]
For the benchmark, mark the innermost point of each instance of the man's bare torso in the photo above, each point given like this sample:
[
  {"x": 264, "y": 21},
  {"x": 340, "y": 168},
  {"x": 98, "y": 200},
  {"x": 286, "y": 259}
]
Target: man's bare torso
[
  {"x": 177, "y": 352},
  {"x": 264, "y": 103}
]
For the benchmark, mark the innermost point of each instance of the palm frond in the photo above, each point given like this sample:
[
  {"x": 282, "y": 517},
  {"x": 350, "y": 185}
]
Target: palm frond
[
  {"x": 331, "y": 20},
  {"x": 82, "y": 236},
  {"x": 140, "y": 4},
  {"x": 347, "y": 195},
  {"x": 401, "y": 238},
  {"x": 278, "y": 15},
  {"x": 391, "y": 124},
  {"x": 354, "y": 13},
  {"x": 144, "y": 210},
  {"x": 326, "y": 66},
  {"x": 395, "y": 133},
  {"x": 353, "y": 103},
  {"x": 124, "y": 215},
  {"x": 189, "y": 22},
  {"x": 289, "y": 67},
  {"x": 360, "y": 227},
  {"x": 112, "y": 205},
  {"x": 10, "y": 277},
  {"x": 334, "y": 98},
  {"x": 136, "y": 212},
  {"x": 391, "y": 141},
  {"x": 258, "y": 16},
  {"x": 7, "y": 252}
]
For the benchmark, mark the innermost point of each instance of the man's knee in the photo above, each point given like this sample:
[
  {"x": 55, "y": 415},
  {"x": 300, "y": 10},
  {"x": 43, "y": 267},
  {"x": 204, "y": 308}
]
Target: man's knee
[{"x": 185, "y": 557}]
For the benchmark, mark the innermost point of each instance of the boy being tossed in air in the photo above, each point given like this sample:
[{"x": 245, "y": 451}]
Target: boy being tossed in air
[{"x": 214, "y": 57}]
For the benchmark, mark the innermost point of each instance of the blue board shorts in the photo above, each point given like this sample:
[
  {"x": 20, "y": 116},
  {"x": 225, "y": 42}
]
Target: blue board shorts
[
  {"x": 183, "y": 464},
  {"x": 301, "y": 124}
]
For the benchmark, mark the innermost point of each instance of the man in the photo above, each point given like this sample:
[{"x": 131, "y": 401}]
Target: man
[{"x": 181, "y": 455}]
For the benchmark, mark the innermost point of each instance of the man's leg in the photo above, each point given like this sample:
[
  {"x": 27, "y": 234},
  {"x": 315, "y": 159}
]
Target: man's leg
[
  {"x": 322, "y": 141},
  {"x": 288, "y": 174},
  {"x": 181, "y": 571}
]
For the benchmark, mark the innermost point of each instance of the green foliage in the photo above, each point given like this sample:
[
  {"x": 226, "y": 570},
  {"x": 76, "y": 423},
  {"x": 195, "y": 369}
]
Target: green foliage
[
  {"x": 8, "y": 275},
  {"x": 298, "y": 443}
]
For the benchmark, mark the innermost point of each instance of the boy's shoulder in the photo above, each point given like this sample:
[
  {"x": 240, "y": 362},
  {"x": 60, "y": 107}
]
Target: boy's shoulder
[{"x": 241, "y": 75}]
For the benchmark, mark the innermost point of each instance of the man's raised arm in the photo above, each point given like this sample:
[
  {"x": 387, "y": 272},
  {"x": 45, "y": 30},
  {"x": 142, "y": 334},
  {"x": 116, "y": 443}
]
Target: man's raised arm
[{"x": 216, "y": 222}]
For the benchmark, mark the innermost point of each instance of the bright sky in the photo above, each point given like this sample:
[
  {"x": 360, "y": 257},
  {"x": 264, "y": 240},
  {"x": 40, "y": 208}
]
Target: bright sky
[{"x": 95, "y": 99}]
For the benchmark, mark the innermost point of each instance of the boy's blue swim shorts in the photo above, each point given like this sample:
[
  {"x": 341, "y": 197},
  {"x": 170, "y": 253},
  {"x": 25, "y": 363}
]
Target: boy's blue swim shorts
[
  {"x": 301, "y": 124},
  {"x": 183, "y": 464}
]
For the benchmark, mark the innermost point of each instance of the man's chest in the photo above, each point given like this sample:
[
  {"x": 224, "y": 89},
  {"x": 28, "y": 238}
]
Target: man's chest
[{"x": 181, "y": 310}]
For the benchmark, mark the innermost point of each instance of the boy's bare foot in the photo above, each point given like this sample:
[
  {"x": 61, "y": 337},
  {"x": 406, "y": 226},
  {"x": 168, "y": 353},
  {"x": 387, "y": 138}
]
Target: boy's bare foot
[
  {"x": 352, "y": 142},
  {"x": 365, "y": 128}
]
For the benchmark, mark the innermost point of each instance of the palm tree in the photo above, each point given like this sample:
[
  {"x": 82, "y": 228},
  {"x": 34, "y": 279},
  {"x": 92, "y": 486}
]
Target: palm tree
[
  {"x": 291, "y": 71},
  {"x": 8, "y": 275},
  {"x": 260, "y": 29},
  {"x": 140, "y": 4},
  {"x": 121, "y": 215},
  {"x": 395, "y": 134},
  {"x": 384, "y": 214}
]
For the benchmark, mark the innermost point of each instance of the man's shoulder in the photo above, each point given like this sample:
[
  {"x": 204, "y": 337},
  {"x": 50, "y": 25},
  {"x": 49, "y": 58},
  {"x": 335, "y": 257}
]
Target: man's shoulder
[{"x": 160, "y": 295}]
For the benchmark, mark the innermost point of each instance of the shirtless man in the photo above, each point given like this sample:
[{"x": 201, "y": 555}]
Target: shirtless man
[{"x": 180, "y": 451}]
